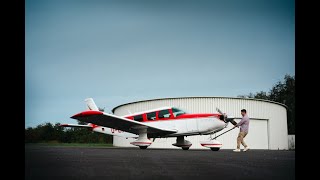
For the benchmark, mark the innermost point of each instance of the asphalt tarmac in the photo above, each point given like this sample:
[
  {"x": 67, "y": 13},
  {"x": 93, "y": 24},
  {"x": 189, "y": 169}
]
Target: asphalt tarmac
[{"x": 45, "y": 162}]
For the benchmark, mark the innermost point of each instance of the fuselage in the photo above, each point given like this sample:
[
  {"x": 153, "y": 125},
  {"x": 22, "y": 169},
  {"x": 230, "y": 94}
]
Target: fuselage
[{"x": 171, "y": 118}]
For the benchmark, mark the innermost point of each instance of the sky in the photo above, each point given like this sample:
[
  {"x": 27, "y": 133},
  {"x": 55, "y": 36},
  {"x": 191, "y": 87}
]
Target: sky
[{"x": 123, "y": 51}]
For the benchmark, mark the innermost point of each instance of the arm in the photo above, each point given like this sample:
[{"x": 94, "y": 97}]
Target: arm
[{"x": 241, "y": 122}]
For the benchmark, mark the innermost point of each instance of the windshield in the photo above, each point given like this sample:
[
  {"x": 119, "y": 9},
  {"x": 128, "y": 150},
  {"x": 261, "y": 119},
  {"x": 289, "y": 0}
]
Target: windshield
[{"x": 177, "y": 112}]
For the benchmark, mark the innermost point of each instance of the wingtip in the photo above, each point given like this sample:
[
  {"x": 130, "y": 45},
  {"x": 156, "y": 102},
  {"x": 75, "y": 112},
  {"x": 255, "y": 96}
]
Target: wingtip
[{"x": 86, "y": 113}]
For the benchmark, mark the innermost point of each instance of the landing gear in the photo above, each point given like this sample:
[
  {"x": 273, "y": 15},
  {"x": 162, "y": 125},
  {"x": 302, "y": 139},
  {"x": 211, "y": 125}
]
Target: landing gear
[
  {"x": 143, "y": 142},
  {"x": 214, "y": 145},
  {"x": 184, "y": 144},
  {"x": 143, "y": 147}
]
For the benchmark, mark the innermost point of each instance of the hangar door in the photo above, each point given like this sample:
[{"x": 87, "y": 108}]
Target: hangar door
[{"x": 256, "y": 139}]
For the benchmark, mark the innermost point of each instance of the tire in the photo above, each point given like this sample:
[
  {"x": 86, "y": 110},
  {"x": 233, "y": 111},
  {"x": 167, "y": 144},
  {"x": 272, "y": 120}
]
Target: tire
[
  {"x": 185, "y": 148},
  {"x": 215, "y": 149},
  {"x": 143, "y": 147}
]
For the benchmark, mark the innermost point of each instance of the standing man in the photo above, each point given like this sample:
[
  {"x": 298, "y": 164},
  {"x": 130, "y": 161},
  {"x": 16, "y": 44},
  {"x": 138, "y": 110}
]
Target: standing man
[{"x": 244, "y": 127}]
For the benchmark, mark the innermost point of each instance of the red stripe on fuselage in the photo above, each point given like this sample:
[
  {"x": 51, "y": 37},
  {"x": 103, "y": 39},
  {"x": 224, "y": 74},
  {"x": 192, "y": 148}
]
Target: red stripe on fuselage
[
  {"x": 186, "y": 116},
  {"x": 94, "y": 126},
  {"x": 181, "y": 117}
]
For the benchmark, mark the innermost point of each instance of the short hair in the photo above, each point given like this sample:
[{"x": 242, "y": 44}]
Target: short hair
[{"x": 243, "y": 110}]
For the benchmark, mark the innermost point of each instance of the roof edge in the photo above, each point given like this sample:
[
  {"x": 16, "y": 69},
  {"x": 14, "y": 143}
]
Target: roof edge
[{"x": 187, "y": 97}]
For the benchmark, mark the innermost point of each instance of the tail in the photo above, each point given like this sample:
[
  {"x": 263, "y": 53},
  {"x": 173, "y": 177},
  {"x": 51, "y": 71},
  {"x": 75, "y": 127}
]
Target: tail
[{"x": 91, "y": 105}]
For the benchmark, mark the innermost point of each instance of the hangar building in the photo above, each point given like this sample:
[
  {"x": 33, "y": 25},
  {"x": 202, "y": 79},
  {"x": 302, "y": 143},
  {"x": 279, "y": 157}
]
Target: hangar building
[{"x": 268, "y": 121}]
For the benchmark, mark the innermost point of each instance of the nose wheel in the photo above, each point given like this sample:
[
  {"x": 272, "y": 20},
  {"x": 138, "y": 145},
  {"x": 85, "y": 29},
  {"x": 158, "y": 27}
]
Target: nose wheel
[
  {"x": 214, "y": 145},
  {"x": 143, "y": 147},
  {"x": 185, "y": 148}
]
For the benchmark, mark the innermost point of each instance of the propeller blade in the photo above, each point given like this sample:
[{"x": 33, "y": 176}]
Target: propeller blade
[
  {"x": 224, "y": 115},
  {"x": 219, "y": 111}
]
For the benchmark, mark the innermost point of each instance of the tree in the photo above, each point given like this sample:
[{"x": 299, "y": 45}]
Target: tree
[
  {"x": 261, "y": 95},
  {"x": 282, "y": 92},
  {"x": 48, "y": 132}
]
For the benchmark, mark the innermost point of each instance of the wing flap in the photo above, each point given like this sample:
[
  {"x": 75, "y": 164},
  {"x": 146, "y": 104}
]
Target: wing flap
[{"x": 120, "y": 123}]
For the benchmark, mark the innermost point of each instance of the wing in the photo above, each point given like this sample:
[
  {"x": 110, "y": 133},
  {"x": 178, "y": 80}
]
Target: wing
[{"x": 120, "y": 123}]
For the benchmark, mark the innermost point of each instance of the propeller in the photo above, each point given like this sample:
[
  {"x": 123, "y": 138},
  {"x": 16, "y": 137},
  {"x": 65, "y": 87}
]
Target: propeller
[
  {"x": 223, "y": 115},
  {"x": 225, "y": 118}
]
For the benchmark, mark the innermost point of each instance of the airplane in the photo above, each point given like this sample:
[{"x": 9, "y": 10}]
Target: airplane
[{"x": 164, "y": 122}]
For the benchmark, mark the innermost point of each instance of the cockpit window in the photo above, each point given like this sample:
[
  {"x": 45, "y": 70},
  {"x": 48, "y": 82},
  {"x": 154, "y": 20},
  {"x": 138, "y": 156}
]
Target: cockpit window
[
  {"x": 138, "y": 118},
  {"x": 151, "y": 116},
  {"x": 177, "y": 112},
  {"x": 164, "y": 114}
]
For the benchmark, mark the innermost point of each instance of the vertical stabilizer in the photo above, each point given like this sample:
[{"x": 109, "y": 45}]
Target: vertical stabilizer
[{"x": 91, "y": 105}]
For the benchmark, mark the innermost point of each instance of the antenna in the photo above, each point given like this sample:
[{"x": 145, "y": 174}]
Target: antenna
[{"x": 101, "y": 109}]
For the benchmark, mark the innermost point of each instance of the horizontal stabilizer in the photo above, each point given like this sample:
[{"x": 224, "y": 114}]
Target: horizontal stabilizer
[{"x": 76, "y": 125}]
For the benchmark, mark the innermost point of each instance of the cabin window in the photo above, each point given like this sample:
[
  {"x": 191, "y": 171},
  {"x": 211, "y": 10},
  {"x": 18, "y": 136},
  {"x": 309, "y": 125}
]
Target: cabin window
[
  {"x": 151, "y": 116},
  {"x": 177, "y": 112},
  {"x": 164, "y": 114},
  {"x": 138, "y": 118}
]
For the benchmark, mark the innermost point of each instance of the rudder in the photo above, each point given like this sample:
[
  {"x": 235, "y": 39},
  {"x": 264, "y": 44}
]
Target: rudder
[{"x": 91, "y": 105}]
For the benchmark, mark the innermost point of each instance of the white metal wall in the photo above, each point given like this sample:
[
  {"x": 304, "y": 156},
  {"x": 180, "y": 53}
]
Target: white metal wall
[{"x": 268, "y": 133}]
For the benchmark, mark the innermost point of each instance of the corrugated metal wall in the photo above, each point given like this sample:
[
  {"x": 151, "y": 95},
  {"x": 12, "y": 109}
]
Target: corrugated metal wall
[{"x": 273, "y": 115}]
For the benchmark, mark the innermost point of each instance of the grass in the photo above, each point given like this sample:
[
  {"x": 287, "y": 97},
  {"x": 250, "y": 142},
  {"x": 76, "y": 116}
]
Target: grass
[{"x": 72, "y": 144}]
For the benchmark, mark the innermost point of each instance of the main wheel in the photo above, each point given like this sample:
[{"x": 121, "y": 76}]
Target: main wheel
[
  {"x": 215, "y": 149},
  {"x": 143, "y": 147},
  {"x": 185, "y": 148}
]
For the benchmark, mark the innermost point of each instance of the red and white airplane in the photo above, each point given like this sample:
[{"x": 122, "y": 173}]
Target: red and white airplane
[{"x": 156, "y": 123}]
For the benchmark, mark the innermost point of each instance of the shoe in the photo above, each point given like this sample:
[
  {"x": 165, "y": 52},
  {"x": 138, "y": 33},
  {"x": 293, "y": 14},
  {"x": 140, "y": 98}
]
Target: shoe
[
  {"x": 236, "y": 150},
  {"x": 246, "y": 149}
]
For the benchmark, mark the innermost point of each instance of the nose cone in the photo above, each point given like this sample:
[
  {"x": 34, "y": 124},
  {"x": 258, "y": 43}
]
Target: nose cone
[{"x": 220, "y": 124}]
